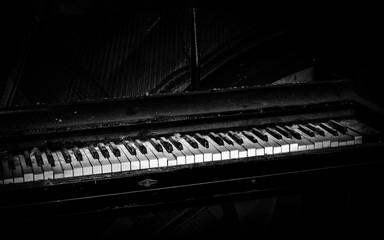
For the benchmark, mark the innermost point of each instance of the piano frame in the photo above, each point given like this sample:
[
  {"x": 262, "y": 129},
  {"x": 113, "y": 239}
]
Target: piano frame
[{"x": 177, "y": 186}]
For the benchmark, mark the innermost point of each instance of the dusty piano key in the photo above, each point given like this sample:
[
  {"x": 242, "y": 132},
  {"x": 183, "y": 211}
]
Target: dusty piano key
[
  {"x": 17, "y": 171},
  {"x": 249, "y": 136},
  {"x": 233, "y": 151},
  {"x": 77, "y": 153},
  {"x": 357, "y": 137},
  {"x": 93, "y": 152},
  {"x": 215, "y": 138},
  {"x": 328, "y": 129},
  {"x": 272, "y": 132},
  {"x": 293, "y": 132},
  {"x": 106, "y": 166},
  {"x": 129, "y": 147},
  {"x": 176, "y": 143},
  {"x": 115, "y": 163},
  {"x": 37, "y": 170},
  {"x": 223, "y": 151},
  {"x": 153, "y": 161},
  {"x": 134, "y": 162},
  {"x": 306, "y": 143},
  {"x": 284, "y": 132},
  {"x": 191, "y": 142},
  {"x": 206, "y": 151},
  {"x": 123, "y": 159},
  {"x": 339, "y": 127},
  {"x": 67, "y": 167},
  {"x": 85, "y": 163},
  {"x": 156, "y": 144},
  {"x": 193, "y": 155},
  {"x": 225, "y": 138},
  {"x": 260, "y": 134},
  {"x": 277, "y": 148},
  {"x": 200, "y": 139},
  {"x": 306, "y": 130},
  {"x": 262, "y": 147},
  {"x": 103, "y": 150},
  {"x": 27, "y": 158},
  {"x": 248, "y": 145},
  {"x": 171, "y": 158},
  {"x": 139, "y": 145},
  {"x": 76, "y": 166},
  {"x": 316, "y": 129},
  {"x": 179, "y": 155},
  {"x": 115, "y": 150},
  {"x": 235, "y": 137},
  {"x": 36, "y": 152},
  {"x": 166, "y": 144},
  {"x": 96, "y": 166},
  {"x": 56, "y": 168},
  {"x": 66, "y": 155},
  {"x": 318, "y": 141},
  {"x": 47, "y": 168},
  {"x": 51, "y": 161},
  {"x": 27, "y": 170},
  {"x": 144, "y": 162},
  {"x": 160, "y": 159}
]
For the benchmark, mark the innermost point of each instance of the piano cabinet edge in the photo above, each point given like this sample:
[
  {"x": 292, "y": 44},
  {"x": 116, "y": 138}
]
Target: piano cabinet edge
[{"x": 250, "y": 178}]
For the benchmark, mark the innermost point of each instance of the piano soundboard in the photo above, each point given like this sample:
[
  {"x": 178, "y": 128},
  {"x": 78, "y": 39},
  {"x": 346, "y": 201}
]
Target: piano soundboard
[{"x": 147, "y": 151}]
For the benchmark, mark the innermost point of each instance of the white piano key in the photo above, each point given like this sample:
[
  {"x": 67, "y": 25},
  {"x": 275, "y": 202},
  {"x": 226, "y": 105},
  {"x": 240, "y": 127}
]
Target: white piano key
[
  {"x": 76, "y": 166},
  {"x": 171, "y": 158},
  {"x": 261, "y": 146},
  {"x": 7, "y": 173},
  {"x": 67, "y": 167},
  {"x": 57, "y": 169},
  {"x": 223, "y": 152},
  {"x": 144, "y": 162},
  {"x": 153, "y": 161},
  {"x": 47, "y": 169},
  {"x": 215, "y": 154},
  {"x": 37, "y": 170},
  {"x": 161, "y": 159},
  {"x": 135, "y": 163},
  {"x": 96, "y": 166},
  {"x": 18, "y": 172},
  {"x": 317, "y": 142},
  {"x": 27, "y": 171},
  {"x": 115, "y": 163},
  {"x": 293, "y": 145},
  {"x": 277, "y": 144},
  {"x": 207, "y": 152},
  {"x": 106, "y": 166},
  {"x": 197, "y": 155},
  {"x": 357, "y": 137},
  {"x": 243, "y": 153},
  {"x": 180, "y": 155},
  {"x": 125, "y": 163},
  {"x": 85, "y": 164},
  {"x": 233, "y": 151},
  {"x": 248, "y": 145}
]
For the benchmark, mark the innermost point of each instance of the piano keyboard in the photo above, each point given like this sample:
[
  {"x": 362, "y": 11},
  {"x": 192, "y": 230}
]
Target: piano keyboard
[{"x": 131, "y": 155}]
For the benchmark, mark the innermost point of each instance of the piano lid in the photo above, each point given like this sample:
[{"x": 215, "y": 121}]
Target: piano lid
[{"x": 65, "y": 51}]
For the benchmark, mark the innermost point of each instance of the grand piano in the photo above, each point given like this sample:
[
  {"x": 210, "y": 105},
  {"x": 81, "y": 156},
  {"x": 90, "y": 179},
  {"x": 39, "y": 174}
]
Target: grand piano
[{"x": 92, "y": 129}]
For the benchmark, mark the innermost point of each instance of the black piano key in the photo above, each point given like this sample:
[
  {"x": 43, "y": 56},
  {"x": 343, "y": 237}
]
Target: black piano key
[
  {"x": 316, "y": 129},
  {"x": 201, "y": 140},
  {"x": 176, "y": 143},
  {"x": 339, "y": 127},
  {"x": 250, "y": 137},
  {"x": 103, "y": 150},
  {"x": 283, "y": 131},
  {"x": 306, "y": 130},
  {"x": 329, "y": 129},
  {"x": 235, "y": 137},
  {"x": 140, "y": 146},
  {"x": 39, "y": 160},
  {"x": 273, "y": 133},
  {"x": 216, "y": 138},
  {"x": 130, "y": 148},
  {"x": 11, "y": 163},
  {"x": 167, "y": 145},
  {"x": 156, "y": 144},
  {"x": 66, "y": 155},
  {"x": 190, "y": 141},
  {"x": 77, "y": 153},
  {"x": 93, "y": 152},
  {"x": 48, "y": 152},
  {"x": 259, "y": 133},
  {"x": 225, "y": 138},
  {"x": 27, "y": 158},
  {"x": 115, "y": 150},
  {"x": 293, "y": 132}
]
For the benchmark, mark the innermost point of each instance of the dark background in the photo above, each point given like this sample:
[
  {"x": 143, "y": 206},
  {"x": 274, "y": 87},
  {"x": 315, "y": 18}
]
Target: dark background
[{"x": 89, "y": 50}]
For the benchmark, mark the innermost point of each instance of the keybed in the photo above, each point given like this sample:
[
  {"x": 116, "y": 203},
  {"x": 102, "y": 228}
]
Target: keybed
[{"x": 168, "y": 151}]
